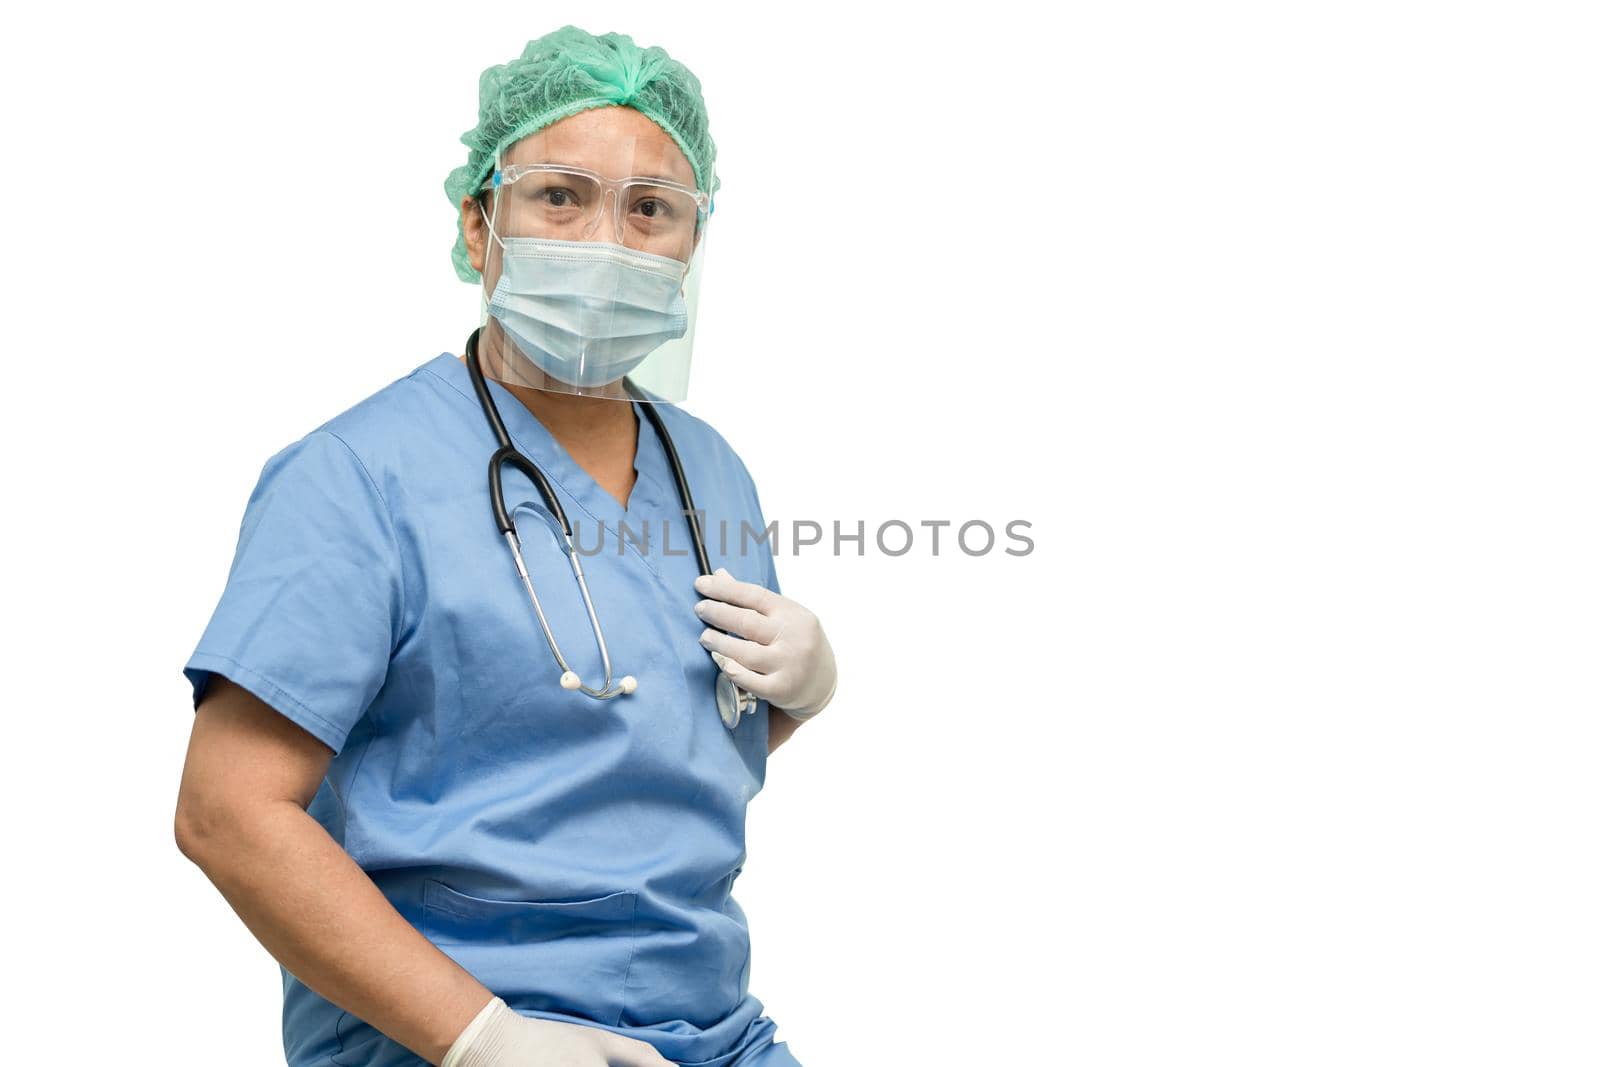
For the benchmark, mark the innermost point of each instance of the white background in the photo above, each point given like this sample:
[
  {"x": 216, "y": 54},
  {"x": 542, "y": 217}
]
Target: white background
[{"x": 1277, "y": 322}]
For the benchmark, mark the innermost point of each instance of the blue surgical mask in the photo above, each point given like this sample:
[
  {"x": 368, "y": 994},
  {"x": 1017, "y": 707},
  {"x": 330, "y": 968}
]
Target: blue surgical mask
[{"x": 587, "y": 312}]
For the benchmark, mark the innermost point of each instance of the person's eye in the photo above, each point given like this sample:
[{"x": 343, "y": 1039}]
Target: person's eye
[{"x": 654, "y": 209}]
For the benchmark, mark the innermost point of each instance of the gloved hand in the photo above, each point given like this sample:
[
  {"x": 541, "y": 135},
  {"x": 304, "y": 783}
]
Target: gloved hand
[
  {"x": 784, "y": 657},
  {"x": 499, "y": 1037}
]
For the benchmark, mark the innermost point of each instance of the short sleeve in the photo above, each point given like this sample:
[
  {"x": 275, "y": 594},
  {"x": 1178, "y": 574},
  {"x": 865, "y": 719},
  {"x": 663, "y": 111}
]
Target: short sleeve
[
  {"x": 313, "y": 603},
  {"x": 771, "y": 580},
  {"x": 770, "y": 571}
]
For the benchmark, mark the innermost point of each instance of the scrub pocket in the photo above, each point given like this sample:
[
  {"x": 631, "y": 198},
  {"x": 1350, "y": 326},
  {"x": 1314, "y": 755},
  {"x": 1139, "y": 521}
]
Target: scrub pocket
[{"x": 568, "y": 956}]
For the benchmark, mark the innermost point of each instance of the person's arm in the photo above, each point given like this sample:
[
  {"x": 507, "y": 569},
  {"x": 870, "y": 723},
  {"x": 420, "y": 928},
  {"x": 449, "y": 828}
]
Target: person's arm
[
  {"x": 241, "y": 817},
  {"x": 780, "y": 728}
]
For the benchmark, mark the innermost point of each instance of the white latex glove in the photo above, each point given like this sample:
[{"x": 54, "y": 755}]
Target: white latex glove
[
  {"x": 784, "y": 657},
  {"x": 499, "y": 1037}
]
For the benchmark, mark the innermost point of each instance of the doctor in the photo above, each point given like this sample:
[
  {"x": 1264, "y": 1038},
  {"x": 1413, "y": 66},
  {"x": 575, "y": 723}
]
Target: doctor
[{"x": 457, "y": 855}]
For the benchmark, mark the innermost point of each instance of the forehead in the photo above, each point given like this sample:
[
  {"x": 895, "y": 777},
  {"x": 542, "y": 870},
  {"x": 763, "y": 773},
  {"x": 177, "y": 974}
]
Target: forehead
[{"x": 614, "y": 141}]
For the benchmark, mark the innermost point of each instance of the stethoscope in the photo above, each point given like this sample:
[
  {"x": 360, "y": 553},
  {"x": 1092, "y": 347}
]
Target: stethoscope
[{"x": 732, "y": 702}]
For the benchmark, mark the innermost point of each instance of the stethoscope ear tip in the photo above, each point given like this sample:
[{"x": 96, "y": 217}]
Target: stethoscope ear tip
[
  {"x": 629, "y": 683},
  {"x": 570, "y": 680}
]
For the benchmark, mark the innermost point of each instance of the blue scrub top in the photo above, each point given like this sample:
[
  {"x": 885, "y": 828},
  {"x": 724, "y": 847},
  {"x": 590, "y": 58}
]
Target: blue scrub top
[{"x": 576, "y": 856}]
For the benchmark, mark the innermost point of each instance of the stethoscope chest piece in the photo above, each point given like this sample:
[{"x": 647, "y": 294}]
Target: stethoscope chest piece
[{"x": 729, "y": 706}]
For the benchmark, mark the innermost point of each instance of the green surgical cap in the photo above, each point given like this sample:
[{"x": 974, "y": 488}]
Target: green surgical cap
[{"x": 569, "y": 71}]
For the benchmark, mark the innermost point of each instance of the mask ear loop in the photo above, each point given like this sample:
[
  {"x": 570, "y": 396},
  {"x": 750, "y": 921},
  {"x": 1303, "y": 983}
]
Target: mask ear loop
[
  {"x": 489, "y": 220},
  {"x": 494, "y": 238}
]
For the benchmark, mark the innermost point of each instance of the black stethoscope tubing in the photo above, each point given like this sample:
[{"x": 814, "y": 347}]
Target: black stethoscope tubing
[{"x": 507, "y": 452}]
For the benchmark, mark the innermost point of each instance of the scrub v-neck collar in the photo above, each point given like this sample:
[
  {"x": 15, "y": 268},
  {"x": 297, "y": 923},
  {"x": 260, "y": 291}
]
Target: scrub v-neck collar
[{"x": 651, "y": 476}]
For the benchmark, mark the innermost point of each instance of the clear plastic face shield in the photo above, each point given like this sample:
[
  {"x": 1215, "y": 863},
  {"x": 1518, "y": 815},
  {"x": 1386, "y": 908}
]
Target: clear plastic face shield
[{"x": 594, "y": 236}]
